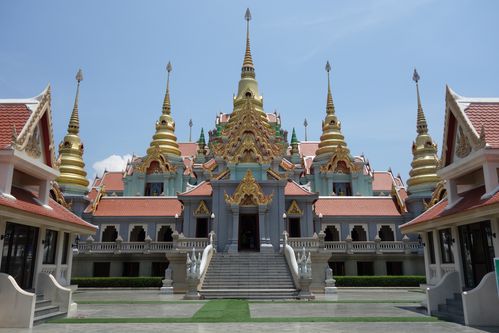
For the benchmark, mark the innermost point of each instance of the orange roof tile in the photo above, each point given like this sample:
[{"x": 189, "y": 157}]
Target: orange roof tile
[
  {"x": 382, "y": 181},
  {"x": 112, "y": 181},
  {"x": 486, "y": 115},
  {"x": 308, "y": 148},
  {"x": 138, "y": 206},
  {"x": 356, "y": 206},
  {"x": 27, "y": 202},
  {"x": 204, "y": 189},
  {"x": 12, "y": 115},
  {"x": 92, "y": 194},
  {"x": 292, "y": 188},
  {"x": 188, "y": 148},
  {"x": 470, "y": 200}
]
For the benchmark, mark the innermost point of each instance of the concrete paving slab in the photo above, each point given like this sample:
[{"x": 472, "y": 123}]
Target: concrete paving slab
[
  {"x": 185, "y": 310},
  {"x": 123, "y": 295},
  {"x": 272, "y": 310}
]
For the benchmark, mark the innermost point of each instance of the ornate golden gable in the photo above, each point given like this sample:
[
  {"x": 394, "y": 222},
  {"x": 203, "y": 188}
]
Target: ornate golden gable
[
  {"x": 438, "y": 194},
  {"x": 248, "y": 193},
  {"x": 202, "y": 209},
  {"x": 58, "y": 196},
  {"x": 250, "y": 138},
  {"x": 155, "y": 155},
  {"x": 294, "y": 209},
  {"x": 340, "y": 162}
]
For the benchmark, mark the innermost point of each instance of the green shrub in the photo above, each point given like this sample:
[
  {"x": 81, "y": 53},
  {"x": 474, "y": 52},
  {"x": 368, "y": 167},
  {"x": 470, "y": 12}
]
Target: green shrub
[
  {"x": 118, "y": 282},
  {"x": 379, "y": 281}
]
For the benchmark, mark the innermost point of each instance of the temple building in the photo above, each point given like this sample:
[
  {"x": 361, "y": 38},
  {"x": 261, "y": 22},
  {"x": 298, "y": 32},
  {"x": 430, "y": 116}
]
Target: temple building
[{"x": 249, "y": 193}]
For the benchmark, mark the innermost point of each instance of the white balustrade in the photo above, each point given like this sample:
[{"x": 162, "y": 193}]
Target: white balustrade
[
  {"x": 49, "y": 269},
  {"x": 127, "y": 247}
]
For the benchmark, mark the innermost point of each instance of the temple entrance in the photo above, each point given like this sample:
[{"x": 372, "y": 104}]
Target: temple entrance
[
  {"x": 19, "y": 253},
  {"x": 249, "y": 237},
  {"x": 477, "y": 251}
]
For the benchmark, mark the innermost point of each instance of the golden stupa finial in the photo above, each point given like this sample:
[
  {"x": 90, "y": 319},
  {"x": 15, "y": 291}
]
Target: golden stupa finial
[
  {"x": 329, "y": 104},
  {"x": 166, "y": 103},
  {"x": 423, "y": 174},
  {"x": 422, "y": 126},
  {"x": 74, "y": 121},
  {"x": 248, "y": 67},
  {"x": 165, "y": 138},
  {"x": 73, "y": 177}
]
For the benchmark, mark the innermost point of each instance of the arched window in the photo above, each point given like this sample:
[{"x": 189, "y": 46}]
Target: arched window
[
  {"x": 359, "y": 234},
  {"x": 109, "y": 234},
  {"x": 165, "y": 234},
  {"x": 137, "y": 234},
  {"x": 386, "y": 233},
  {"x": 332, "y": 234}
]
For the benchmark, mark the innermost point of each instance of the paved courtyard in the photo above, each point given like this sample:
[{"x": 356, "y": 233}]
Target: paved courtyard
[{"x": 351, "y": 310}]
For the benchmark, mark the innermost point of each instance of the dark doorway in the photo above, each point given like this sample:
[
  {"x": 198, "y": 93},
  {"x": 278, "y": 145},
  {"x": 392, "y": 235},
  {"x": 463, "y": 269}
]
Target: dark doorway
[
  {"x": 249, "y": 239},
  {"x": 477, "y": 251},
  {"x": 294, "y": 227},
  {"x": 332, "y": 234},
  {"x": 19, "y": 253},
  {"x": 202, "y": 227}
]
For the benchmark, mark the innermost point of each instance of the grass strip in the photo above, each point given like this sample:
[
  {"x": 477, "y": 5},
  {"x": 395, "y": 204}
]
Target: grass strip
[
  {"x": 224, "y": 310},
  {"x": 346, "y": 301},
  {"x": 224, "y": 319},
  {"x": 138, "y": 302}
]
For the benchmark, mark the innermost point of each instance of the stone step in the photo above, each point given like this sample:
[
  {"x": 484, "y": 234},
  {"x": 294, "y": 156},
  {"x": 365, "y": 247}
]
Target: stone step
[
  {"x": 42, "y": 303},
  {"x": 450, "y": 316},
  {"x": 46, "y": 310},
  {"x": 43, "y": 318}
]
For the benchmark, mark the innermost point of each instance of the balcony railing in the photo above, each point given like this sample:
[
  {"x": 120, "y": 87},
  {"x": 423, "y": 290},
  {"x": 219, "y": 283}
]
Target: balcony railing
[{"x": 147, "y": 246}]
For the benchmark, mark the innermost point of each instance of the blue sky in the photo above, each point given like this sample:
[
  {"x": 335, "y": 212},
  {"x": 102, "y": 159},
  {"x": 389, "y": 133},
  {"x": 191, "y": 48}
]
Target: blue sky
[{"x": 373, "y": 46}]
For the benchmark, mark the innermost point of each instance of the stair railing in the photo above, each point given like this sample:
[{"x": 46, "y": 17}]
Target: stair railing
[
  {"x": 196, "y": 267},
  {"x": 17, "y": 307},
  {"x": 446, "y": 288},
  {"x": 48, "y": 286},
  {"x": 300, "y": 267}
]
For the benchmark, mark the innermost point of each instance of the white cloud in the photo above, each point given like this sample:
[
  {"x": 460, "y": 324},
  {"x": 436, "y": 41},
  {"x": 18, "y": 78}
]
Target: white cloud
[{"x": 111, "y": 163}]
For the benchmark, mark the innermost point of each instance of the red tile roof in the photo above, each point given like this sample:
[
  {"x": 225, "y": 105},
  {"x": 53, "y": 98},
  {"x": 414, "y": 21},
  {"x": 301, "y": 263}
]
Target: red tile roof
[
  {"x": 138, "y": 206},
  {"x": 112, "y": 181},
  {"x": 26, "y": 202},
  {"x": 486, "y": 115},
  {"x": 188, "y": 148},
  {"x": 204, "y": 189},
  {"x": 382, "y": 181},
  {"x": 356, "y": 206},
  {"x": 293, "y": 188},
  {"x": 92, "y": 194},
  {"x": 308, "y": 148},
  {"x": 10, "y": 115},
  {"x": 470, "y": 201}
]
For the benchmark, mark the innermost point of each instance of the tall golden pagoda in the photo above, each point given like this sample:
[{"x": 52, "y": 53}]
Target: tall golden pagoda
[
  {"x": 73, "y": 177},
  {"x": 165, "y": 138},
  {"x": 331, "y": 137},
  {"x": 423, "y": 175}
]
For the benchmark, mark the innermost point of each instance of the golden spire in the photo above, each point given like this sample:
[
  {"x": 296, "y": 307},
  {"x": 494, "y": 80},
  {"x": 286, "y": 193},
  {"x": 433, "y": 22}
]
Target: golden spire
[
  {"x": 248, "y": 70},
  {"x": 165, "y": 138},
  {"x": 331, "y": 137},
  {"x": 423, "y": 174},
  {"x": 73, "y": 177}
]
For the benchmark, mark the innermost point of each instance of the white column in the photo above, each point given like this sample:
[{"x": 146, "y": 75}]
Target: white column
[
  {"x": 7, "y": 172},
  {"x": 2, "y": 232},
  {"x": 58, "y": 254},
  {"x": 43, "y": 194},
  {"x": 39, "y": 254},
  {"x": 490, "y": 176},
  {"x": 451, "y": 189},
  {"x": 456, "y": 252},
  {"x": 70, "y": 257},
  {"x": 426, "y": 249},
  {"x": 438, "y": 254}
]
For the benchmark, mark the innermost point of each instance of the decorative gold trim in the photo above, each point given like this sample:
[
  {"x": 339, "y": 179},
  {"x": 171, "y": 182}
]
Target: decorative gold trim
[
  {"x": 33, "y": 148},
  {"x": 438, "y": 194},
  {"x": 294, "y": 209},
  {"x": 274, "y": 174},
  {"x": 100, "y": 194},
  {"x": 248, "y": 193},
  {"x": 222, "y": 174},
  {"x": 202, "y": 209},
  {"x": 463, "y": 147},
  {"x": 155, "y": 154},
  {"x": 340, "y": 155},
  {"x": 59, "y": 197}
]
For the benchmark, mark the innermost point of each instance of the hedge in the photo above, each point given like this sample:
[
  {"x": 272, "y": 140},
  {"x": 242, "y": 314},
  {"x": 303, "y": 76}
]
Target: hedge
[
  {"x": 118, "y": 282},
  {"x": 380, "y": 281}
]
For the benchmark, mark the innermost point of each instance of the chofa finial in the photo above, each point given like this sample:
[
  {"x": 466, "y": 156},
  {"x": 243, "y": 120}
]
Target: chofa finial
[
  {"x": 79, "y": 75},
  {"x": 169, "y": 67},
  {"x": 247, "y": 16},
  {"x": 415, "y": 76}
]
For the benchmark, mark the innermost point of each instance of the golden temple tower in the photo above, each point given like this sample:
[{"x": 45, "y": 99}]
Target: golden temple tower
[
  {"x": 73, "y": 177},
  {"x": 165, "y": 137},
  {"x": 423, "y": 175},
  {"x": 331, "y": 136}
]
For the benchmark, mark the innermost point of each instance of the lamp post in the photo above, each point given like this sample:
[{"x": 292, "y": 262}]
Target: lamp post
[
  {"x": 320, "y": 222},
  {"x": 212, "y": 216},
  {"x": 284, "y": 217}
]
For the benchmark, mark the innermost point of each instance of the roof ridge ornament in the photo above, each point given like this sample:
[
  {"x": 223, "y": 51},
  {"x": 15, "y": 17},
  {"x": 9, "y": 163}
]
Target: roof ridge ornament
[
  {"x": 74, "y": 121},
  {"x": 329, "y": 104},
  {"x": 248, "y": 69},
  {"x": 422, "y": 126},
  {"x": 166, "y": 102}
]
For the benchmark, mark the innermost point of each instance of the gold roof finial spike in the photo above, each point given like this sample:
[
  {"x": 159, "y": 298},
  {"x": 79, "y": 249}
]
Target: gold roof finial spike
[
  {"x": 329, "y": 104},
  {"x": 166, "y": 103},
  {"x": 74, "y": 121},
  {"x": 422, "y": 126},
  {"x": 248, "y": 68}
]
